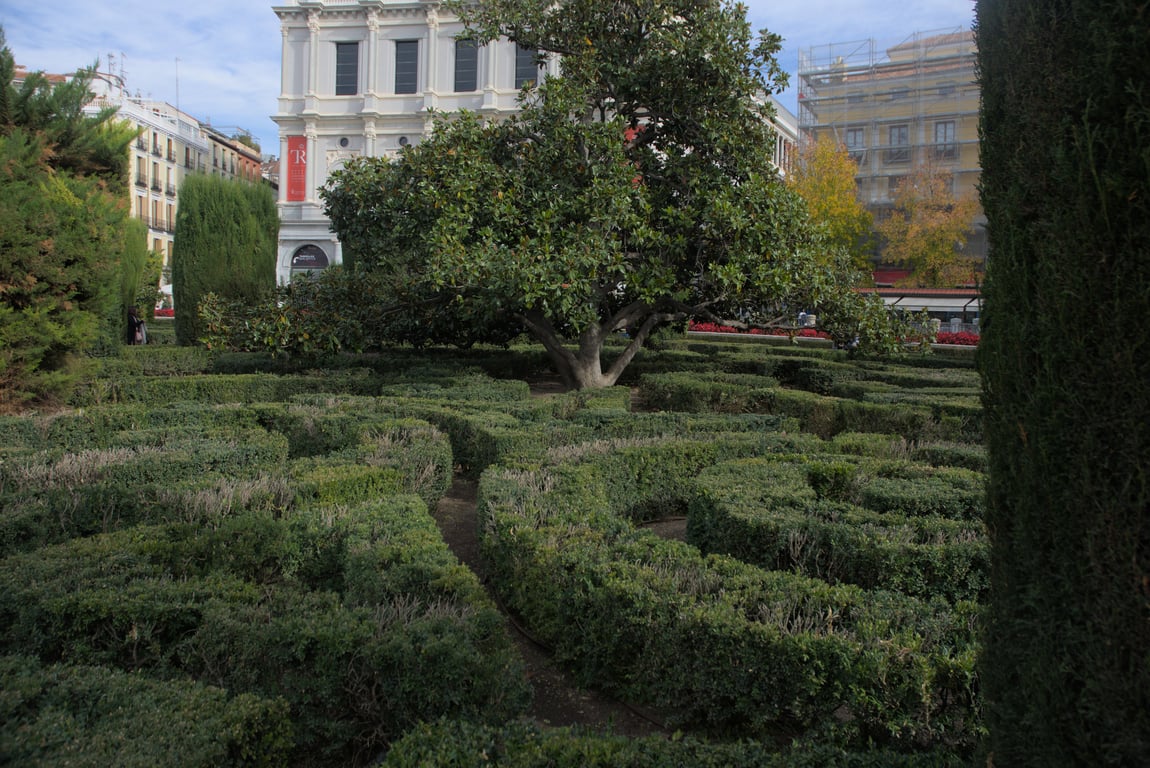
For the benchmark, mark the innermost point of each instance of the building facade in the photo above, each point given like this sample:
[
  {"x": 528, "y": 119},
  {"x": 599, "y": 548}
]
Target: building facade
[
  {"x": 232, "y": 158},
  {"x": 362, "y": 78},
  {"x": 170, "y": 145},
  {"x": 897, "y": 109}
]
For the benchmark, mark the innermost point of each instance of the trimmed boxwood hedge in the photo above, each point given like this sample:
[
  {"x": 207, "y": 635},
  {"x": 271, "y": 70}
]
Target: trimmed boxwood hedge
[
  {"x": 81, "y": 716},
  {"x": 721, "y": 645},
  {"x": 770, "y": 513},
  {"x": 361, "y": 619},
  {"x": 183, "y": 473},
  {"x": 460, "y": 744}
]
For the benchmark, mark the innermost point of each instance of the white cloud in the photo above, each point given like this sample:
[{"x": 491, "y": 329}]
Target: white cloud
[{"x": 229, "y": 52}]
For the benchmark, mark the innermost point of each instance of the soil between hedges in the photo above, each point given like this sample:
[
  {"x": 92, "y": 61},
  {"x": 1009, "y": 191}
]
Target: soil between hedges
[{"x": 557, "y": 700}]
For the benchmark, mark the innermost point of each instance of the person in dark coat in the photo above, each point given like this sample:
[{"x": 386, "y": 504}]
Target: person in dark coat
[{"x": 137, "y": 331}]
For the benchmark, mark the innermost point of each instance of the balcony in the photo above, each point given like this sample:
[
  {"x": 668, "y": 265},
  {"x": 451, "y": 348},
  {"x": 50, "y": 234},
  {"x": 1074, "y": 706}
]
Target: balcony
[
  {"x": 157, "y": 152},
  {"x": 945, "y": 151},
  {"x": 170, "y": 190},
  {"x": 171, "y": 156},
  {"x": 141, "y": 145},
  {"x": 141, "y": 180},
  {"x": 156, "y": 187},
  {"x": 900, "y": 154}
]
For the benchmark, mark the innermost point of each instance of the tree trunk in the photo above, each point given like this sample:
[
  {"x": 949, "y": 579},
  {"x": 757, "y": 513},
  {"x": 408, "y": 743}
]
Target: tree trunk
[{"x": 582, "y": 367}]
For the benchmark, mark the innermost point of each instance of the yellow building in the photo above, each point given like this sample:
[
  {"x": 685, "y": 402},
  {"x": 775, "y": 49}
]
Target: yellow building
[{"x": 911, "y": 105}]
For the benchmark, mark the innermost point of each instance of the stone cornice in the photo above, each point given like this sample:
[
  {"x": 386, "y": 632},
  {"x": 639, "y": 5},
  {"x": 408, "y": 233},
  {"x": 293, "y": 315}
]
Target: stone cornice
[{"x": 413, "y": 9}]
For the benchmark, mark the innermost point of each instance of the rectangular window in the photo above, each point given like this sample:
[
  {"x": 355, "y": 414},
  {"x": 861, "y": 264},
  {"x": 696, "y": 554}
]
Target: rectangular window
[
  {"x": 899, "y": 143},
  {"x": 466, "y": 65},
  {"x": 346, "y": 69},
  {"x": 945, "y": 147},
  {"x": 526, "y": 66},
  {"x": 856, "y": 143},
  {"x": 406, "y": 66}
]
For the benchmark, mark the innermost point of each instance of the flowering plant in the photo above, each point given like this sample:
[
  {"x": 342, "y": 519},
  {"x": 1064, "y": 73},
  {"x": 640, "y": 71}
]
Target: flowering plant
[
  {"x": 962, "y": 338},
  {"x": 806, "y": 333}
]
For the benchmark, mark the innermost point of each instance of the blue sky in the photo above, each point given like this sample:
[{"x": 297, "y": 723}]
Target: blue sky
[{"x": 229, "y": 50}]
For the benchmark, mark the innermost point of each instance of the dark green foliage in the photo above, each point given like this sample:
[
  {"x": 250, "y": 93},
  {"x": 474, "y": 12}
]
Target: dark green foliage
[
  {"x": 225, "y": 244},
  {"x": 795, "y": 514},
  {"x": 360, "y": 618},
  {"x": 134, "y": 272},
  {"x": 822, "y": 415},
  {"x": 726, "y": 647},
  {"x": 61, "y": 233},
  {"x": 59, "y": 236},
  {"x": 1065, "y": 358},
  {"x": 662, "y": 202},
  {"x": 459, "y": 744},
  {"x": 92, "y": 717}
]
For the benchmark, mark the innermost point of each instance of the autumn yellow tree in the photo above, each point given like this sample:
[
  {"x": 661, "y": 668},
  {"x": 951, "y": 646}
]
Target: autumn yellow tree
[
  {"x": 825, "y": 178},
  {"x": 927, "y": 229}
]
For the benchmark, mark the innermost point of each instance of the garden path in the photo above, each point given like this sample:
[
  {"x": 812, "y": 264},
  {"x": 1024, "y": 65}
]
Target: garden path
[{"x": 557, "y": 701}]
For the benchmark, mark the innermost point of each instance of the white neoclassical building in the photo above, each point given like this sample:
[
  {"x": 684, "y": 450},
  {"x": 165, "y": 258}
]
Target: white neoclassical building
[{"x": 361, "y": 77}]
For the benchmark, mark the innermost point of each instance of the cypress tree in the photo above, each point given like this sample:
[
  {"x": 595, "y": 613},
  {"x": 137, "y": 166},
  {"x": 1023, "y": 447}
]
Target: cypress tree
[
  {"x": 224, "y": 244},
  {"x": 133, "y": 265},
  {"x": 1065, "y": 362}
]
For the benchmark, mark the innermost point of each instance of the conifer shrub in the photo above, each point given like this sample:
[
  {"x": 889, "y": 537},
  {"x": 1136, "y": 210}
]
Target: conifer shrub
[{"x": 1065, "y": 123}]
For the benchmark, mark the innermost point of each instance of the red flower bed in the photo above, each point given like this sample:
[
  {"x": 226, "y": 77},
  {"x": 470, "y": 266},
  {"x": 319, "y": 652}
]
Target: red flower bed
[
  {"x": 963, "y": 338},
  {"x": 165, "y": 313},
  {"x": 807, "y": 333}
]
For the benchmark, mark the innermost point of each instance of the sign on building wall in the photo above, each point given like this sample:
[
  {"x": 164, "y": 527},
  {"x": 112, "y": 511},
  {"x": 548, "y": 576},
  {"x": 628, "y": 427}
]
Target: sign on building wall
[{"x": 296, "y": 169}]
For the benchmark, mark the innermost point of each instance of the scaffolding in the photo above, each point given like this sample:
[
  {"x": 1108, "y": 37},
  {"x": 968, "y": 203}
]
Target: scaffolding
[{"x": 896, "y": 108}]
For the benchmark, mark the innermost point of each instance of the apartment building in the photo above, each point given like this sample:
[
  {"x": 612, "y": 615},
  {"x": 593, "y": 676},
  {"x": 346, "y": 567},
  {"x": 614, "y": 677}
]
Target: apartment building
[
  {"x": 230, "y": 157},
  {"x": 897, "y": 109},
  {"x": 171, "y": 144},
  {"x": 361, "y": 78}
]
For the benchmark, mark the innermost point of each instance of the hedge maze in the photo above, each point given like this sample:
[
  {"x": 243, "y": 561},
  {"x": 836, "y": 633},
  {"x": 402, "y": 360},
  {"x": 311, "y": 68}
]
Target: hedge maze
[{"x": 253, "y": 554}]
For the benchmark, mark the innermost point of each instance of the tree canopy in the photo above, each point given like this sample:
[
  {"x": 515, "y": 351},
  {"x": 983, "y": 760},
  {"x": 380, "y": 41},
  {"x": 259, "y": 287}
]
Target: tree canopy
[
  {"x": 225, "y": 243},
  {"x": 825, "y": 178},
  {"x": 635, "y": 189},
  {"x": 61, "y": 231},
  {"x": 927, "y": 228}
]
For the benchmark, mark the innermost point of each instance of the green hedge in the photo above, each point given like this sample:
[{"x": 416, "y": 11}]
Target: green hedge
[
  {"x": 722, "y": 645},
  {"x": 151, "y": 475},
  {"x": 456, "y": 744},
  {"x": 361, "y": 620},
  {"x": 83, "y": 716},
  {"x": 822, "y": 415},
  {"x": 791, "y": 516}
]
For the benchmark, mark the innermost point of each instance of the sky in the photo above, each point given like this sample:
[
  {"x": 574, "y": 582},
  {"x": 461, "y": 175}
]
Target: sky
[{"x": 219, "y": 60}]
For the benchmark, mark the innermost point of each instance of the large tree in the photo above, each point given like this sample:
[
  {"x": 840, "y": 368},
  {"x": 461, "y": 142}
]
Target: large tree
[
  {"x": 824, "y": 177},
  {"x": 62, "y": 214},
  {"x": 225, "y": 243},
  {"x": 926, "y": 229},
  {"x": 634, "y": 190},
  {"x": 1065, "y": 358}
]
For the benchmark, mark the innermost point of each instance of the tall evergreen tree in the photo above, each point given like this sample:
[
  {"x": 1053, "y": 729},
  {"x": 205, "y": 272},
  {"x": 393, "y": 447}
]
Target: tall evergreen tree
[
  {"x": 1065, "y": 360},
  {"x": 61, "y": 232},
  {"x": 225, "y": 243},
  {"x": 134, "y": 263}
]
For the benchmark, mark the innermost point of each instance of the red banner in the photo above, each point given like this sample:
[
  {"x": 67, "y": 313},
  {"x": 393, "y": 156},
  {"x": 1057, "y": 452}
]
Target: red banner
[{"x": 296, "y": 169}]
